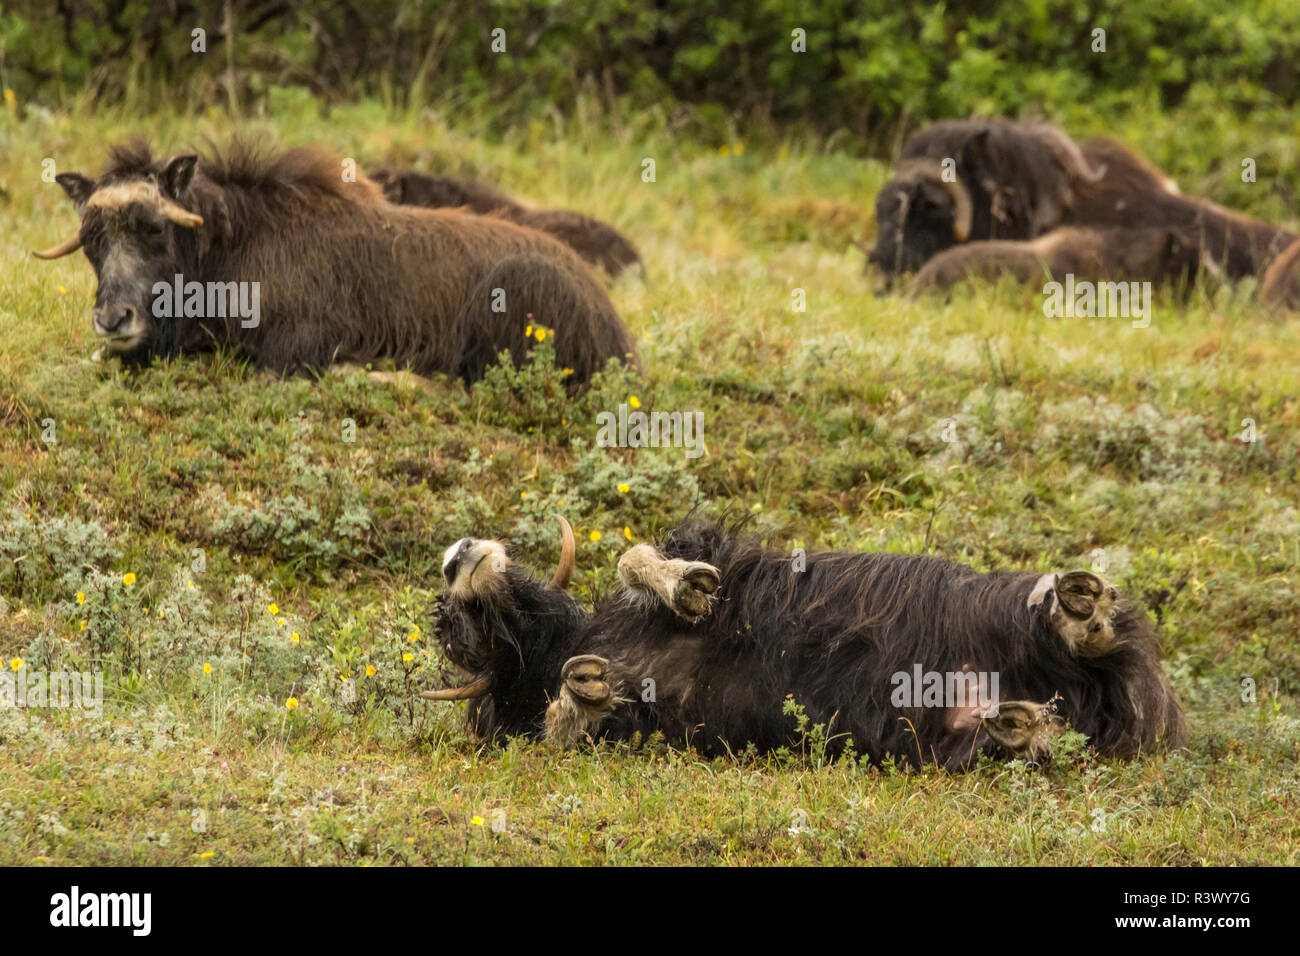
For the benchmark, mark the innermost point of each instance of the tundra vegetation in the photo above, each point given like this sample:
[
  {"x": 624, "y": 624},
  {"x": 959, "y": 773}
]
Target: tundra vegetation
[{"x": 251, "y": 562}]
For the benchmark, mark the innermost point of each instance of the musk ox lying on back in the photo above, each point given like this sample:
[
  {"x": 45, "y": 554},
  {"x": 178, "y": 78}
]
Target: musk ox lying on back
[
  {"x": 600, "y": 244},
  {"x": 1007, "y": 180},
  {"x": 917, "y": 657},
  {"x": 1100, "y": 255},
  {"x": 335, "y": 273}
]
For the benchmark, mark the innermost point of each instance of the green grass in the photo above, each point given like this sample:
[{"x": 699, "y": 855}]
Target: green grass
[{"x": 825, "y": 426}]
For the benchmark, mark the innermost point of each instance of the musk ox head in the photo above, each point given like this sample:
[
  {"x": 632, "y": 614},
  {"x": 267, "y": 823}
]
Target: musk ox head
[
  {"x": 136, "y": 231},
  {"x": 919, "y": 213},
  {"x": 502, "y": 628}
]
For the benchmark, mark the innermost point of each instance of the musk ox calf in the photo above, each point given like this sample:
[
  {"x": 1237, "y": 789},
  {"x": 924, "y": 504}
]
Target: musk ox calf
[
  {"x": 710, "y": 634},
  {"x": 1100, "y": 255},
  {"x": 1007, "y": 180},
  {"x": 599, "y": 244},
  {"x": 280, "y": 258}
]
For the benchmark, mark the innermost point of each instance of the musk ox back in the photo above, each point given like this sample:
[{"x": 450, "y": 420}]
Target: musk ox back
[
  {"x": 1098, "y": 255},
  {"x": 711, "y": 634},
  {"x": 597, "y": 243},
  {"x": 337, "y": 274},
  {"x": 1018, "y": 181}
]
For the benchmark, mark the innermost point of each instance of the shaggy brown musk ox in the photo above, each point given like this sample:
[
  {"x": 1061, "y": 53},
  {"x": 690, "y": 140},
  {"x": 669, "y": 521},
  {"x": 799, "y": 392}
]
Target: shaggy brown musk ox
[
  {"x": 341, "y": 274},
  {"x": 1009, "y": 180},
  {"x": 711, "y": 634},
  {"x": 600, "y": 244}
]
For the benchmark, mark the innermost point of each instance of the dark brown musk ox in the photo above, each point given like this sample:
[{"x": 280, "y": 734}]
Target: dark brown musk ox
[
  {"x": 1010, "y": 180},
  {"x": 1280, "y": 288},
  {"x": 598, "y": 243},
  {"x": 964, "y": 180},
  {"x": 339, "y": 274},
  {"x": 1159, "y": 256},
  {"x": 710, "y": 634}
]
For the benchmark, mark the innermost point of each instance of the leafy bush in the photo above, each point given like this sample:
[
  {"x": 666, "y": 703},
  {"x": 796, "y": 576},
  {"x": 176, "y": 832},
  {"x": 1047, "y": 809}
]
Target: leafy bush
[{"x": 867, "y": 66}]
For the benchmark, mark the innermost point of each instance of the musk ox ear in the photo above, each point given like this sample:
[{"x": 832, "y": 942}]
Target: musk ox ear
[
  {"x": 177, "y": 175},
  {"x": 77, "y": 186}
]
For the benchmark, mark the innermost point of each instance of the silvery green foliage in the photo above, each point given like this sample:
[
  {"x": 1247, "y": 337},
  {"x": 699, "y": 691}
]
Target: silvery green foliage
[{"x": 40, "y": 554}]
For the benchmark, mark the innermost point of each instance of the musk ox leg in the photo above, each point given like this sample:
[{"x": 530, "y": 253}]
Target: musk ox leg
[
  {"x": 1078, "y": 606},
  {"x": 1025, "y": 728},
  {"x": 685, "y": 587},
  {"x": 586, "y": 698}
]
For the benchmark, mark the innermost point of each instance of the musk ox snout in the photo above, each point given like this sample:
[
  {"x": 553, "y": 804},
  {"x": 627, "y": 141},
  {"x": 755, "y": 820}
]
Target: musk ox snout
[
  {"x": 124, "y": 327},
  {"x": 109, "y": 319}
]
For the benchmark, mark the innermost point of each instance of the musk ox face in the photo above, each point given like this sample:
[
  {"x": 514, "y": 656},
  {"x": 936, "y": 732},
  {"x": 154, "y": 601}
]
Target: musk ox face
[
  {"x": 918, "y": 215},
  {"x": 494, "y": 618},
  {"x": 135, "y": 233}
]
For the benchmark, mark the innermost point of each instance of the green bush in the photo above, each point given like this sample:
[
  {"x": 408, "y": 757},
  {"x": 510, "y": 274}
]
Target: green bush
[{"x": 867, "y": 66}]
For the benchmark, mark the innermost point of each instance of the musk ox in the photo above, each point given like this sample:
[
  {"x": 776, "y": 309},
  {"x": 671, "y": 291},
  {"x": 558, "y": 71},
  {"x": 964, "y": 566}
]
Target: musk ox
[
  {"x": 335, "y": 273},
  {"x": 1281, "y": 285},
  {"x": 1100, "y": 255},
  {"x": 710, "y": 634},
  {"x": 963, "y": 180},
  {"x": 1011, "y": 180},
  {"x": 599, "y": 244}
]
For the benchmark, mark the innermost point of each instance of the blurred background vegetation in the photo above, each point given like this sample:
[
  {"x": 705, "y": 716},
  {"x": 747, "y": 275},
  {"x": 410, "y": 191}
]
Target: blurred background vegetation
[{"x": 871, "y": 69}]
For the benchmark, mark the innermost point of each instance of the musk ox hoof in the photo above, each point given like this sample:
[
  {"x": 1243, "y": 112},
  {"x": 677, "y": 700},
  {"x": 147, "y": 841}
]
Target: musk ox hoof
[
  {"x": 1024, "y": 728},
  {"x": 1079, "y": 607},
  {"x": 685, "y": 587},
  {"x": 586, "y": 696},
  {"x": 693, "y": 595}
]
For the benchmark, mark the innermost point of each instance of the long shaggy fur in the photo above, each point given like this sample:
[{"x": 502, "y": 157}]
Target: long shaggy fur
[
  {"x": 597, "y": 243},
  {"x": 830, "y": 637},
  {"x": 346, "y": 276}
]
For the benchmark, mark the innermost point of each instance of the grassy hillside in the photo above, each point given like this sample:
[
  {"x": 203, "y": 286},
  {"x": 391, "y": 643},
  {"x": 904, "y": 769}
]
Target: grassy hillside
[{"x": 267, "y": 557}]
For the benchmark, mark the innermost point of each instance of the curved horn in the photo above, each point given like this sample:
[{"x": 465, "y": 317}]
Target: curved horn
[
  {"x": 1068, "y": 154},
  {"x": 568, "y": 553},
  {"x": 923, "y": 168},
  {"x": 478, "y": 688},
  {"x": 962, "y": 214},
  {"x": 180, "y": 215},
  {"x": 62, "y": 249}
]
